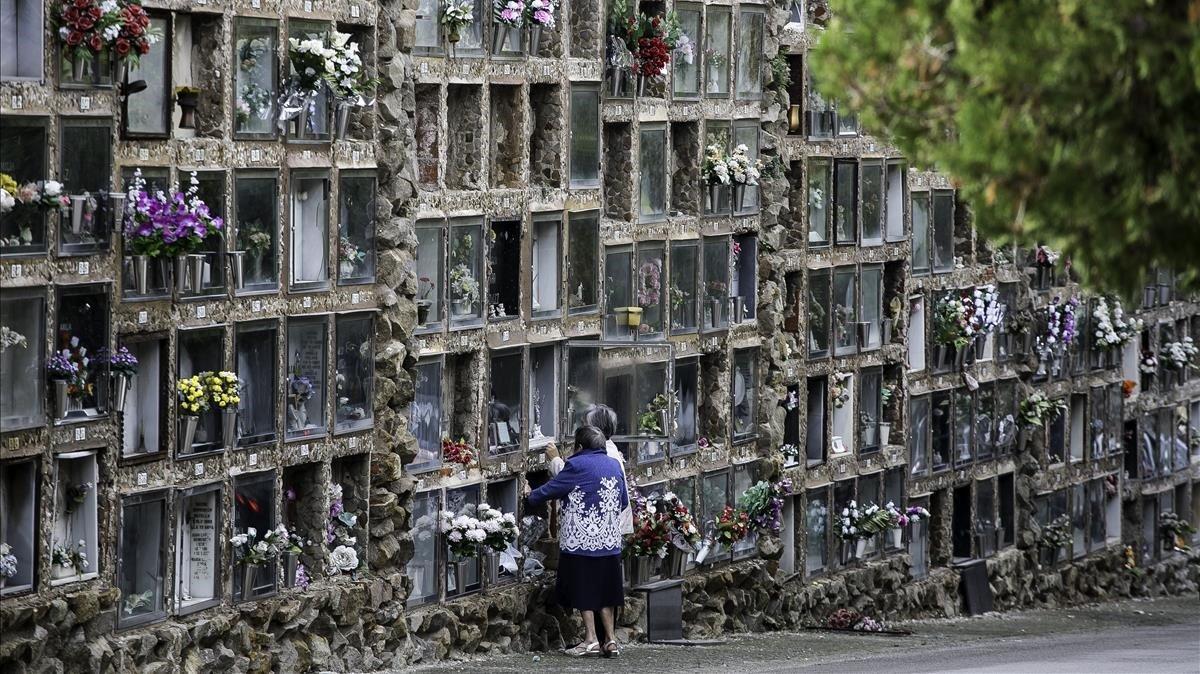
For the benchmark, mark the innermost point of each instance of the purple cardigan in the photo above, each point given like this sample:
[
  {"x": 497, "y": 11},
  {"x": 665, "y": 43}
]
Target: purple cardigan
[{"x": 592, "y": 487}]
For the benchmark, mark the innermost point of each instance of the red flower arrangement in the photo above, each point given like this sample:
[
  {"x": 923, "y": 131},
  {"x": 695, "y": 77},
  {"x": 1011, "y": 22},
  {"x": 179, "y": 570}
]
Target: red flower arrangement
[
  {"x": 135, "y": 38},
  {"x": 88, "y": 25},
  {"x": 651, "y": 40},
  {"x": 458, "y": 452},
  {"x": 651, "y": 533},
  {"x": 732, "y": 526},
  {"x": 97, "y": 25}
]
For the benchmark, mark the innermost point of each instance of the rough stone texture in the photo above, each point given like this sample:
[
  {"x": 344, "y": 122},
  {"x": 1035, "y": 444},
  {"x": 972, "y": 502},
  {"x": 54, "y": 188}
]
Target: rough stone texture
[
  {"x": 464, "y": 168},
  {"x": 685, "y": 179},
  {"x": 427, "y": 132},
  {"x": 618, "y": 167},
  {"x": 586, "y": 38},
  {"x": 549, "y": 122},
  {"x": 508, "y": 137}
]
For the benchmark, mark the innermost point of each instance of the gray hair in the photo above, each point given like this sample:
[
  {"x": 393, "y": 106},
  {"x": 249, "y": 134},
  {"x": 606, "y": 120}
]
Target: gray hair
[
  {"x": 603, "y": 418},
  {"x": 589, "y": 437}
]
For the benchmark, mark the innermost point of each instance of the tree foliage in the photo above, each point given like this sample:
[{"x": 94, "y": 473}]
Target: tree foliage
[{"x": 1071, "y": 123}]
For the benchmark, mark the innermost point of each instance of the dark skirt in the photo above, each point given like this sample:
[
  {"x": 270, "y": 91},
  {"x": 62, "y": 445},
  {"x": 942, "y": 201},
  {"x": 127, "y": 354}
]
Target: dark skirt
[{"x": 589, "y": 583}]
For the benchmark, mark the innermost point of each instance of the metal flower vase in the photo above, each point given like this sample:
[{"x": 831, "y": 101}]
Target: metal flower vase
[
  {"x": 187, "y": 431},
  {"x": 229, "y": 417},
  {"x": 535, "y": 39},
  {"x": 674, "y": 562},
  {"x": 499, "y": 37},
  {"x": 120, "y": 382},
  {"x": 237, "y": 267},
  {"x": 62, "y": 400},
  {"x": 713, "y": 196},
  {"x": 79, "y": 65},
  {"x": 249, "y": 578},
  {"x": 737, "y": 308},
  {"x": 616, "y": 79},
  {"x": 491, "y": 567},
  {"x": 641, "y": 85},
  {"x": 141, "y": 274},
  {"x": 341, "y": 120},
  {"x": 739, "y": 195},
  {"x": 196, "y": 264},
  {"x": 79, "y": 211},
  {"x": 291, "y": 562},
  {"x": 639, "y": 570},
  {"x": 180, "y": 270},
  {"x": 715, "y": 309}
]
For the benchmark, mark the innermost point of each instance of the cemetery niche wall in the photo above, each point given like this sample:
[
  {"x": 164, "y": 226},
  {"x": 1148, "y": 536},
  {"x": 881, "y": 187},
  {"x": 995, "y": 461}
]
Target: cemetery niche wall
[{"x": 384, "y": 295}]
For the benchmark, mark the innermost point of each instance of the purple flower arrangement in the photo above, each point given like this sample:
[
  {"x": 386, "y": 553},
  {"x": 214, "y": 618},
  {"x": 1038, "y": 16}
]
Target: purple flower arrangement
[
  {"x": 60, "y": 366},
  {"x": 167, "y": 224},
  {"x": 1060, "y": 323},
  {"x": 541, "y": 13},
  {"x": 300, "y": 387},
  {"x": 123, "y": 362},
  {"x": 763, "y": 502},
  {"x": 649, "y": 282},
  {"x": 508, "y": 12}
]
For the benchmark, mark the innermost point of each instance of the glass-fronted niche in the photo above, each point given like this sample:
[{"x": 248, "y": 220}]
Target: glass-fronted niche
[
  {"x": 354, "y": 353},
  {"x": 309, "y": 231},
  {"x": 449, "y": 274},
  {"x": 85, "y": 226},
  {"x": 199, "y": 521},
  {"x": 144, "y": 418},
  {"x": 25, "y": 159},
  {"x": 636, "y": 381},
  {"x": 306, "y": 390},
  {"x": 74, "y": 530},
  {"x": 22, "y": 341},
  {"x": 19, "y": 522},
  {"x": 200, "y": 350},
  {"x": 256, "y": 209},
  {"x": 356, "y": 228},
  {"x": 141, "y": 558},
  {"x": 79, "y": 382}
]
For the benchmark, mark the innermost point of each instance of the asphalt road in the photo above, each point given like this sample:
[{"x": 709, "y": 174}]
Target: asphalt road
[{"x": 1136, "y": 637}]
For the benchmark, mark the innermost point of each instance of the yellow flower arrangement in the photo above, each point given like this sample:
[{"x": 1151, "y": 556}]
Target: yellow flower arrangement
[
  {"x": 193, "y": 397},
  {"x": 223, "y": 388},
  {"x": 8, "y": 184}
]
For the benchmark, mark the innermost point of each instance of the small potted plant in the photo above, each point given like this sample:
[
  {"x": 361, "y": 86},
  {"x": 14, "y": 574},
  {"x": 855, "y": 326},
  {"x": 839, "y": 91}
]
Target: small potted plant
[
  {"x": 63, "y": 374},
  {"x": 193, "y": 401},
  {"x": 300, "y": 390},
  {"x": 715, "y": 172},
  {"x": 424, "y": 304},
  {"x": 223, "y": 392},
  {"x": 456, "y": 15},
  {"x": 188, "y": 99},
  {"x": 885, "y": 398},
  {"x": 123, "y": 367},
  {"x": 743, "y": 172},
  {"x": 457, "y": 452}
]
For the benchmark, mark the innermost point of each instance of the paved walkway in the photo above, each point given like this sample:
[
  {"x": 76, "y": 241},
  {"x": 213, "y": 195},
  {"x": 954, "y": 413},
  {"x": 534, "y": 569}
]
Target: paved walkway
[{"x": 1139, "y": 637}]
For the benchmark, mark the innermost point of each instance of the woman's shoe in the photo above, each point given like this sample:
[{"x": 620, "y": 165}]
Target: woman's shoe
[
  {"x": 611, "y": 650},
  {"x": 584, "y": 649}
]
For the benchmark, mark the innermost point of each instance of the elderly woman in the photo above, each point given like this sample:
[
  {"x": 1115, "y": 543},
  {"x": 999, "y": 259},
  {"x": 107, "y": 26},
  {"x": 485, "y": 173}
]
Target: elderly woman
[{"x": 592, "y": 488}]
